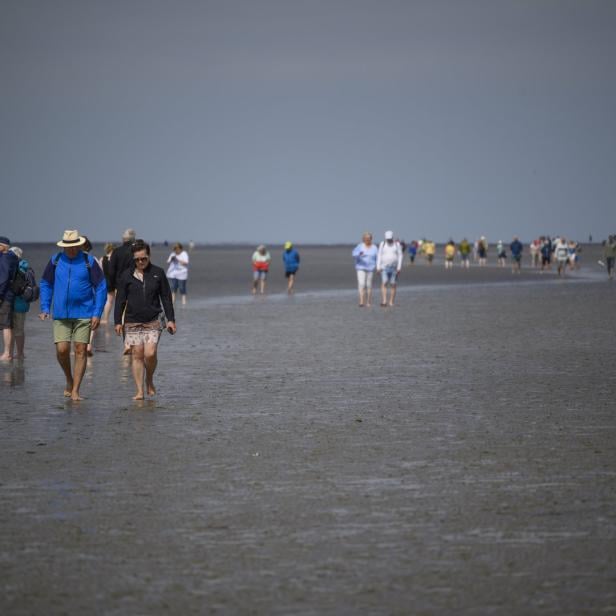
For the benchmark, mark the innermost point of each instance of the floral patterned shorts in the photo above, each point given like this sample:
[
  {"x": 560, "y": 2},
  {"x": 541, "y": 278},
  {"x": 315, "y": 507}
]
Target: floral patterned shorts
[{"x": 136, "y": 334}]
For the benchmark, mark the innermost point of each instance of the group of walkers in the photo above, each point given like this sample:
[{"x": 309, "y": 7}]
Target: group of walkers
[{"x": 77, "y": 292}]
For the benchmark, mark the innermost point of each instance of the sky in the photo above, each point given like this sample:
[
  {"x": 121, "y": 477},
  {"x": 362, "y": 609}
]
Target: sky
[{"x": 307, "y": 120}]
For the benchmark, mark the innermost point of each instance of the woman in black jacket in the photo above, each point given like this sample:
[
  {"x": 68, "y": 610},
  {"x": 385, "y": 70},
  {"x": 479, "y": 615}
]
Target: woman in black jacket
[{"x": 143, "y": 293}]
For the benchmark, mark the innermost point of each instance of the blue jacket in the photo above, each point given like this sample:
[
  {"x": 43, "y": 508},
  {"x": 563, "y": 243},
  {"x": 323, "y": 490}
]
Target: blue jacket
[
  {"x": 291, "y": 260},
  {"x": 77, "y": 292},
  {"x": 20, "y": 304},
  {"x": 8, "y": 267}
]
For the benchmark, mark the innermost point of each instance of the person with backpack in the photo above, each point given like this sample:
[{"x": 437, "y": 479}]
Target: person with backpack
[
  {"x": 26, "y": 291},
  {"x": 74, "y": 291},
  {"x": 8, "y": 267}
]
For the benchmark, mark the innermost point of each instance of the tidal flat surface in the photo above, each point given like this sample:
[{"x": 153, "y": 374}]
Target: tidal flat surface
[{"x": 454, "y": 454}]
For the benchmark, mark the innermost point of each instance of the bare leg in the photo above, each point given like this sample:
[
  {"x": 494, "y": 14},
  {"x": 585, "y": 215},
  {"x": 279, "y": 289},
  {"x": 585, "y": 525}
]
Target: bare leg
[
  {"x": 173, "y": 296},
  {"x": 63, "y": 354},
  {"x": 290, "y": 283},
  {"x": 107, "y": 309},
  {"x": 7, "y": 335},
  {"x": 362, "y": 296},
  {"x": 138, "y": 367},
  {"x": 150, "y": 361},
  {"x": 20, "y": 343},
  {"x": 255, "y": 284},
  {"x": 262, "y": 286},
  {"x": 383, "y": 294},
  {"x": 369, "y": 296},
  {"x": 81, "y": 361},
  {"x": 392, "y": 296},
  {"x": 183, "y": 299}
]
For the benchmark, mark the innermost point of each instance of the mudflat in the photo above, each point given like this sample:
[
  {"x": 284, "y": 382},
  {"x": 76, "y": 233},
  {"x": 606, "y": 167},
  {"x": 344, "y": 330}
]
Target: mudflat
[{"x": 453, "y": 454}]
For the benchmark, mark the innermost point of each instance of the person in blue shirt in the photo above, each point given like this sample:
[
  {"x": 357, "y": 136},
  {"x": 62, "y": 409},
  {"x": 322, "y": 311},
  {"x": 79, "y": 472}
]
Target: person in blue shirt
[
  {"x": 290, "y": 258},
  {"x": 74, "y": 292},
  {"x": 517, "y": 248},
  {"x": 365, "y": 255}
]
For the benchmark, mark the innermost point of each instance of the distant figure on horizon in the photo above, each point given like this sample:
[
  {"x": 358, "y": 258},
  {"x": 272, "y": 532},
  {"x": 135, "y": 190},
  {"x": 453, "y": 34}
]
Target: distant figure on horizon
[
  {"x": 429, "y": 250},
  {"x": 8, "y": 267},
  {"x": 365, "y": 255},
  {"x": 73, "y": 291},
  {"x": 389, "y": 263},
  {"x": 482, "y": 251},
  {"x": 501, "y": 253},
  {"x": 177, "y": 272},
  {"x": 143, "y": 295},
  {"x": 413, "y": 246},
  {"x": 546, "y": 253},
  {"x": 609, "y": 254},
  {"x": 561, "y": 254},
  {"x": 450, "y": 254},
  {"x": 261, "y": 260},
  {"x": 535, "y": 252},
  {"x": 290, "y": 258},
  {"x": 465, "y": 250},
  {"x": 517, "y": 248}
]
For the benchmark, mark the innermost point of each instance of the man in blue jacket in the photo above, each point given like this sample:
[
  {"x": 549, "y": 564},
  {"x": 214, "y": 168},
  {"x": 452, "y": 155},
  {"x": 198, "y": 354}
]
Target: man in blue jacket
[
  {"x": 74, "y": 291},
  {"x": 8, "y": 267},
  {"x": 290, "y": 258}
]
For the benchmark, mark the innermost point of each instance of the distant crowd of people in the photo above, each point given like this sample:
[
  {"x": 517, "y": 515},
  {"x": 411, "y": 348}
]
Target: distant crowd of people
[{"x": 79, "y": 292}]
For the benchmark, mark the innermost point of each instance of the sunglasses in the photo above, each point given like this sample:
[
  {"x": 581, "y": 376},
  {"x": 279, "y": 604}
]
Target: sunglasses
[{"x": 140, "y": 258}]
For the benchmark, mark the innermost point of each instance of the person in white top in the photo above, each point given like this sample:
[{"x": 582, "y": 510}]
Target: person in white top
[
  {"x": 177, "y": 272},
  {"x": 389, "y": 264}
]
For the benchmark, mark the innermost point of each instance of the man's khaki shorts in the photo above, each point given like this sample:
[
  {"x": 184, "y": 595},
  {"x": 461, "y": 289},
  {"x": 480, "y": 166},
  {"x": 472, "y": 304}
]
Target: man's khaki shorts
[{"x": 71, "y": 330}]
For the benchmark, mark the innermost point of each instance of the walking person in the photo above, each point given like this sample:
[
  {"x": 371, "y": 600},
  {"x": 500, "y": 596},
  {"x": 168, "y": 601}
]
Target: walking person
[
  {"x": 561, "y": 254},
  {"x": 517, "y": 248},
  {"x": 450, "y": 253},
  {"x": 261, "y": 260},
  {"x": 27, "y": 294},
  {"x": 465, "y": 250},
  {"x": 143, "y": 296},
  {"x": 546, "y": 254},
  {"x": 501, "y": 253},
  {"x": 388, "y": 264},
  {"x": 365, "y": 255},
  {"x": 73, "y": 292},
  {"x": 177, "y": 272},
  {"x": 609, "y": 254},
  {"x": 120, "y": 261},
  {"x": 8, "y": 267},
  {"x": 290, "y": 258},
  {"x": 104, "y": 263},
  {"x": 482, "y": 251}
]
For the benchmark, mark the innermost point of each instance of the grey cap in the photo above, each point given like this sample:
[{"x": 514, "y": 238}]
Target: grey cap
[{"x": 129, "y": 234}]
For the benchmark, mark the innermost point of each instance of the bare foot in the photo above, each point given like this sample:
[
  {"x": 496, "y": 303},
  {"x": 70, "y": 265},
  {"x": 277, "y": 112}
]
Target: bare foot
[
  {"x": 75, "y": 397},
  {"x": 5, "y": 357},
  {"x": 127, "y": 351},
  {"x": 68, "y": 390},
  {"x": 138, "y": 396},
  {"x": 151, "y": 389}
]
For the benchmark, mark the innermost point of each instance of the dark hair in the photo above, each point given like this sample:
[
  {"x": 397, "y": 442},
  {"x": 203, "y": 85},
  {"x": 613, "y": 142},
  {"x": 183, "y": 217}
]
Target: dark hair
[
  {"x": 140, "y": 245},
  {"x": 87, "y": 246}
]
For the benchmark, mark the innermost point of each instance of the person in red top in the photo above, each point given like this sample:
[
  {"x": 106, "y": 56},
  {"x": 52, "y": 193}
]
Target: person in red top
[{"x": 260, "y": 266}]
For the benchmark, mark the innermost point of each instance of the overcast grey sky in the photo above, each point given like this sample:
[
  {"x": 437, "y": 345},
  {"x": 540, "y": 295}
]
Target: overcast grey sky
[{"x": 309, "y": 120}]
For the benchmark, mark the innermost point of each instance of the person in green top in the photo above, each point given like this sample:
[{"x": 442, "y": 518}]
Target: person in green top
[{"x": 465, "y": 251}]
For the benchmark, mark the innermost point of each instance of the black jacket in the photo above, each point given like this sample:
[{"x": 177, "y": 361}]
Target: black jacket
[
  {"x": 143, "y": 300},
  {"x": 8, "y": 266},
  {"x": 120, "y": 261}
]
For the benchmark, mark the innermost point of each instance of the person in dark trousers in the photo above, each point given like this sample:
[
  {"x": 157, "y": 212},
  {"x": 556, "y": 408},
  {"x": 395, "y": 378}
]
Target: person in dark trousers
[
  {"x": 8, "y": 266},
  {"x": 121, "y": 260},
  {"x": 143, "y": 294}
]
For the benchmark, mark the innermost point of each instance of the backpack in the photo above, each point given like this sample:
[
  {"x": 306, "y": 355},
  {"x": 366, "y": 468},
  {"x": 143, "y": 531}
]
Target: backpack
[{"x": 24, "y": 285}]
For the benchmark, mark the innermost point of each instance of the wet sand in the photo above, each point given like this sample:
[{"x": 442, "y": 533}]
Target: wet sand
[{"x": 454, "y": 454}]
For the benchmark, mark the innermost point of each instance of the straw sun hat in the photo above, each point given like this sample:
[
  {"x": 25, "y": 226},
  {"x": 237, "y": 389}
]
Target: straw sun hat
[{"x": 71, "y": 238}]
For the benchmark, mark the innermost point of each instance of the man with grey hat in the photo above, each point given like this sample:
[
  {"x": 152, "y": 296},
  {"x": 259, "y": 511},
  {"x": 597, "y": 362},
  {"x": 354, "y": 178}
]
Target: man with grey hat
[
  {"x": 8, "y": 266},
  {"x": 121, "y": 258},
  {"x": 74, "y": 291}
]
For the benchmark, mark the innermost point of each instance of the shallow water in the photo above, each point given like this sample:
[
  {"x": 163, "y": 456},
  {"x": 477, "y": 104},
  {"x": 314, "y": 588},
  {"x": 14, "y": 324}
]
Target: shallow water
[{"x": 451, "y": 455}]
